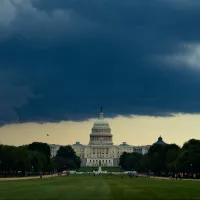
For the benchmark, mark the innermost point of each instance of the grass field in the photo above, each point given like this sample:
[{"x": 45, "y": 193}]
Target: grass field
[
  {"x": 98, "y": 187},
  {"x": 112, "y": 169}
]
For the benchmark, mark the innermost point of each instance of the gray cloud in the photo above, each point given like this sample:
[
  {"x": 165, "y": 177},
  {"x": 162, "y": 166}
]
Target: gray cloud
[
  {"x": 19, "y": 18},
  {"x": 63, "y": 59},
  {"x": 13, "y": 95}
]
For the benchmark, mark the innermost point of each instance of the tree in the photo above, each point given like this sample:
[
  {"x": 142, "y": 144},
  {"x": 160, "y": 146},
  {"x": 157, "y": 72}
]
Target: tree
[
  {"x": 66, "y": 158},
  {"x": 189, "y": 158},
  {"x": 122, "y": 159},
  {"x": 42, "y": 148},
  {"x": 144, "y": 164},
  {"x": 15, "y": 160},
  {"x": 156, "y": 156},
  {"x": 171, "y": 155},
  {"x": 133, "y": 161},
  {"x": 130, "y": 161},
  {"x": 8, "y": 158},
  {"x": 38, "y": 161}
]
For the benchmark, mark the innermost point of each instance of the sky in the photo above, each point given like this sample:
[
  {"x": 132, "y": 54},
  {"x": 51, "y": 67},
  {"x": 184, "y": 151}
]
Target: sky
[{"x": 60, "y": 60}]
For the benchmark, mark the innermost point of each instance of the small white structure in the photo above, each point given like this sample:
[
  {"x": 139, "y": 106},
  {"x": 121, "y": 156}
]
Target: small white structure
[
  {"x": 100, "y": 171},
  {"x": 101, "y": 151}
]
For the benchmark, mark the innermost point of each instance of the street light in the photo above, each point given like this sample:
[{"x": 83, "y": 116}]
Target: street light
[
  {"x": 32, "y": 169},
  {"x": 0, "y": 165}
]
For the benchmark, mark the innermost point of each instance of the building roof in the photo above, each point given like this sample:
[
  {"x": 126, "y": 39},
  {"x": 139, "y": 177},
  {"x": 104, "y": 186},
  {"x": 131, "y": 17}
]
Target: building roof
[
  {"x": 160, "y": 141},
  {"x": 124, "y": 144},
  {"x": 101, "y": 126},
  {"x": 101, "y": 123},
  {"x": 77, "y": 144}
]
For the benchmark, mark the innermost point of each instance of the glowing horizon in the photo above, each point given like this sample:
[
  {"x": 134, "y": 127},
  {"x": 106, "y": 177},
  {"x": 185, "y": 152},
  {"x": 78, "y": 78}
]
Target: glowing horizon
[{"x": 137, "y": 130}]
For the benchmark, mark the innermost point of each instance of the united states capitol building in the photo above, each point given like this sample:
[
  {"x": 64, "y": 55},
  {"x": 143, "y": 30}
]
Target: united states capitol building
[{"x": 101, "y": 151}]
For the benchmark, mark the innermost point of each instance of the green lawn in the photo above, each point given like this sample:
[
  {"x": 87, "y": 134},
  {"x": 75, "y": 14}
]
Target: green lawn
[
  {"x": 98, "y": 187},
  {"x": 87, "y": 169},
  {"x": 112, "y": 169}
]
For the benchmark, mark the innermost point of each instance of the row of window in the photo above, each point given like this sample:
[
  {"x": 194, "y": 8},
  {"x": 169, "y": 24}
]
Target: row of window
[
  {"x": 100, "y": 161},
  {"x": 100, "y": 130},
  {"x": 101, "y": 138},
  {"x": 103, "y": 165},
  {"x": 125, "y": 150},
  {"x": 102, "y": 156},
  {"x": 106, "y": 151}
]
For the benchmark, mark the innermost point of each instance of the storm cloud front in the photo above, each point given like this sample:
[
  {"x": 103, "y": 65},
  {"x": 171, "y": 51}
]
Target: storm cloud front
[{"x": 63, "y": 59}]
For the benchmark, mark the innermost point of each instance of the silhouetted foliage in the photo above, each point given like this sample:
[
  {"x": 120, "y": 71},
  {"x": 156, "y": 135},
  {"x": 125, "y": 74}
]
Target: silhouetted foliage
[
  {"x": 189, "y": 158},
  {"x": 42, "y": 148},
  {"x": 164, "y": 159},
  {"x": 66, "y": 158},
  {"x": 19, "y": 160}
]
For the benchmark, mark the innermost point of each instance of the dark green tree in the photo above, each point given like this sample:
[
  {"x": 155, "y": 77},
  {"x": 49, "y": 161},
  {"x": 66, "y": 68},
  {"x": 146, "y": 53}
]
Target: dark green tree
[
  {"x": 171, "y": 154},
  {"x": 156, "y": 156},
  {"x": 42, "y": 148},
  {"x": 189, "y": 158},
  {"x": 66, "y": 158},
  {"x": 122, "y": 160},
  {"x": 20, "y": 160},
  {"x": 145, "y": 164},
  {"x": 133, "y": 161}
]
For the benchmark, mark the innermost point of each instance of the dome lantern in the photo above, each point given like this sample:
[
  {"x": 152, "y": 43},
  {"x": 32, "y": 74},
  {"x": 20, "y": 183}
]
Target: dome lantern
[{"x": 101, "y": 113}]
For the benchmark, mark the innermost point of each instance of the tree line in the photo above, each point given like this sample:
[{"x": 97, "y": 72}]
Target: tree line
[
  {"x": 161, "y": 159},
  {"x": 165, "y": 159},
  {"x": 35, "y": 158}
]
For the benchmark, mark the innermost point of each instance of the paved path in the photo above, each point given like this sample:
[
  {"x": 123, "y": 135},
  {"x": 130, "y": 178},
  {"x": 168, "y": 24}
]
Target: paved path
[
  {"x": 49, "y": 176},
  {"x": 167, "y": 178},
  {"x": 25, "y": 178}
]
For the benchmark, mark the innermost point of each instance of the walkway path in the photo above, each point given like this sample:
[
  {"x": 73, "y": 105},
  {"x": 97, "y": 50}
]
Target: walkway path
[
  {"x": 25, "y": 178},
  {"x": 167, "y": 178}
]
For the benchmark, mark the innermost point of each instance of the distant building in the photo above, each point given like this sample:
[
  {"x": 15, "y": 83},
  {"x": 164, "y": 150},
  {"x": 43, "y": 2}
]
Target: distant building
[
  {"x": 101, "y": 151},
  {"x": 160, "y": 141}
]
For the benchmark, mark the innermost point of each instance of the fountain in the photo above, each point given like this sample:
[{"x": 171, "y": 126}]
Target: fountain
[{"x": 100, "y": 170}]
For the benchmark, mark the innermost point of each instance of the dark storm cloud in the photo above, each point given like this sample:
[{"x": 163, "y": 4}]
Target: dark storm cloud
[{"x": 63, "y": 59}]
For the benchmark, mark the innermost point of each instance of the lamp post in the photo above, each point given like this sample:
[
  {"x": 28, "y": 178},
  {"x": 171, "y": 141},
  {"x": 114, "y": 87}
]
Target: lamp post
[
  {"x": 65, "y": 169},
  {"x": 0, "y": 167},
  {"x": 32, "y": 169}
]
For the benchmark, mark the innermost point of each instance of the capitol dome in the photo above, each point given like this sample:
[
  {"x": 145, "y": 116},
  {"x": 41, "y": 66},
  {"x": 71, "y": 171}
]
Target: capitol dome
[
  {"x": 101, "y": 123},
  {"x": 101, "y": 131}
]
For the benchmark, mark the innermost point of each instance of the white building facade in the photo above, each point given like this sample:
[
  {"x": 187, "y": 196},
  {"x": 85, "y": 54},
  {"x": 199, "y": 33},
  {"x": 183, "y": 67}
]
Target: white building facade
[{"x": 101, "y": 151}]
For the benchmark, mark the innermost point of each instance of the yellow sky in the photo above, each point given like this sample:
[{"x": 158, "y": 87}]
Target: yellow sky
[{"x": 136, "y": 131}]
